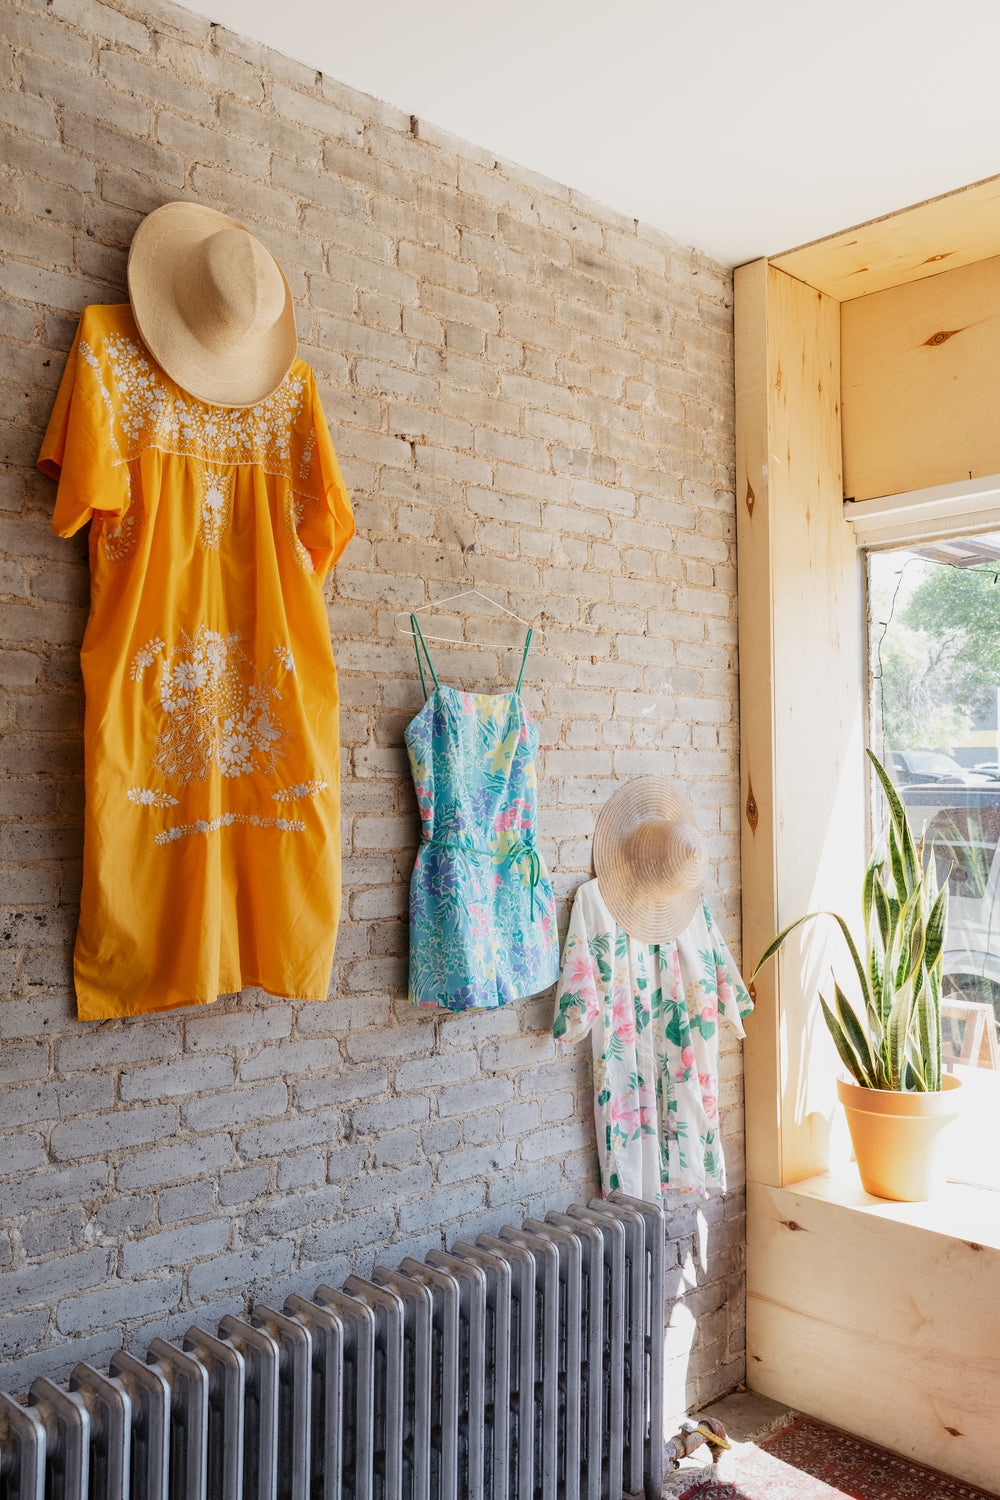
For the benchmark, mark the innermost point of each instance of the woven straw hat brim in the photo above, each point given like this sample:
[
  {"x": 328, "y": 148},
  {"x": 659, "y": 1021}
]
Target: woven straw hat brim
[
  {"x": 240, "y": 376},
  {"x": 646, "y": 914}
]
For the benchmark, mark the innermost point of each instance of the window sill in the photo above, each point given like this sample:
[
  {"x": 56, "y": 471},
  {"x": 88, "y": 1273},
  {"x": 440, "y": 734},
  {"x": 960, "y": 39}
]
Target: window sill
[{"x": 961, "y": 1212}]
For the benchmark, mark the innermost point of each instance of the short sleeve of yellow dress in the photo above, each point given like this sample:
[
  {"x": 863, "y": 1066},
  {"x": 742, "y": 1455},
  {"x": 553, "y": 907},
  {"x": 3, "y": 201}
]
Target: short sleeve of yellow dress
[{"x": 211, "y": 740}]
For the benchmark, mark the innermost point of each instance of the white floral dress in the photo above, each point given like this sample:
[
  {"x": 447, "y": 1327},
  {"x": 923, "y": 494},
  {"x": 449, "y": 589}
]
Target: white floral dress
[{"x": 652, "y": 1011}]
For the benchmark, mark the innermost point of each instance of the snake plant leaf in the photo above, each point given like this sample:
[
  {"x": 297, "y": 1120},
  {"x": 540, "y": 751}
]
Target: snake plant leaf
[
  {"x": 911, "y": 1081},
  {"x": 915, "y": 947},
  {"x": 848, "y": 1056},
  {"x": 855, "y": 1033},
  {"x": 900, "y": 1018},
  {"x": 936, "y": 924},
  {"x": 868, "y": 898},
  {"x": 899, "y": 823},
  {"x": 934, "y": 1026},
  {"x": 776, "y": 943},
  {"x": 893, "y": 1041},
  {"x": 897, "y": 866},
  {"x": 884, "y": 932},
  {"x": 921, "y": 1051},
  {"x": 911, "y": 938},
  {"x": 859, "y": 967},
  {"x": 876, "y": 975},
  {"x": 883, "y": 910}
]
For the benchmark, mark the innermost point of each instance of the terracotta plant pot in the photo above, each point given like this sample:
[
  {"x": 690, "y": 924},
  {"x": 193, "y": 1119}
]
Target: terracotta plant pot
[{"x": 899, "y": 1138}]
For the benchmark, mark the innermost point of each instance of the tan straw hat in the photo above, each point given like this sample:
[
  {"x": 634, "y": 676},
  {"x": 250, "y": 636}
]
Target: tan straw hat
[
  {"x": 211, "y": 304},
  {"x": 650, "y": 859}
]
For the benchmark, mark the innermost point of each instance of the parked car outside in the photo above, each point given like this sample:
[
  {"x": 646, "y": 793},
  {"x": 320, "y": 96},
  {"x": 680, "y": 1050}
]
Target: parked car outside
[{"x": 923, "y": 767}]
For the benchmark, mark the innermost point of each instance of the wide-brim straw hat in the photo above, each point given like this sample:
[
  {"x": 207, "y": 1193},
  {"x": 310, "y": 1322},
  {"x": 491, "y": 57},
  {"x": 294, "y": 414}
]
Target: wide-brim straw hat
[
  {"x": 650, "y": 859},
  {"x": 211, "y": 304}
]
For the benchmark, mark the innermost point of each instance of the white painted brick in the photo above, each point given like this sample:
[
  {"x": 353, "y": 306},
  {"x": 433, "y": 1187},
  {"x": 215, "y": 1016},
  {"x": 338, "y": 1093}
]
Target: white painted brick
[
  {"x": 182, "y": 1076},
  {"x": 560, "y": 394}
]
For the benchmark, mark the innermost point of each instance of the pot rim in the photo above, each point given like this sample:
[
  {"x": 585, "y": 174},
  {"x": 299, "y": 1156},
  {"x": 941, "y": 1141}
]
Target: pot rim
[{"x": 943, "y": 1101}]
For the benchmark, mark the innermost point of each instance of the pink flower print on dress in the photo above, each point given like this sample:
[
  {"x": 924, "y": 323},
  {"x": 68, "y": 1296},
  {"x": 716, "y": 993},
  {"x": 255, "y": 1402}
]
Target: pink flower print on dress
[
  {"x": 687, "y": 1063},
  {"x": 710, "y": 1009},
  {"x": 468, "y": 703},
  {"x": 709, "y": 1096},
  {"x": 623, "y": 1017},
  {"x": 724, "y": 985},
  {"x": 578, "y": 976},
  {"x": 577, "y": 972},
  {"x": 480, "y": 919},
  {"x": 626, "y": 1112}
]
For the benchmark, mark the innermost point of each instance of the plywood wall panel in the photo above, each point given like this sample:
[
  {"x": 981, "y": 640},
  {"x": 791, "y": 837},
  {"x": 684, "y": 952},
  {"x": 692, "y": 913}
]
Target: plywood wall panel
[
  {"x": 921, "y": 383},
  {"x": 916, "y": 243},
  {"x": 800, "y": 697}
]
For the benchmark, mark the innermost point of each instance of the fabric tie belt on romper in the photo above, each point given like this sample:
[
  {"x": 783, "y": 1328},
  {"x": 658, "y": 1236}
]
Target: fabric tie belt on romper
[{"x": 517, "y": 851}]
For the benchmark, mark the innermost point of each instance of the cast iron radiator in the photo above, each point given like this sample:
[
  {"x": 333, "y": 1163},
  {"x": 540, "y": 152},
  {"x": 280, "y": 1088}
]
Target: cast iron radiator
[{"x": 528, "y": 1366}]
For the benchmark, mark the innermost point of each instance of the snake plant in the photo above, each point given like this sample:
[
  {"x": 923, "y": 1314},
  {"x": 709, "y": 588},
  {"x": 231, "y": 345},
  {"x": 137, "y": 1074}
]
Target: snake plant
[{"x": 895, "y": 1041}]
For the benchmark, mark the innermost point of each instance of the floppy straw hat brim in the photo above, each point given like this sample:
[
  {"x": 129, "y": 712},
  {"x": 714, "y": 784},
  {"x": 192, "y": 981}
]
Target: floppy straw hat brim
[
  {"x": 646, "y": 913},
  {"x": 160, "y": 246}
]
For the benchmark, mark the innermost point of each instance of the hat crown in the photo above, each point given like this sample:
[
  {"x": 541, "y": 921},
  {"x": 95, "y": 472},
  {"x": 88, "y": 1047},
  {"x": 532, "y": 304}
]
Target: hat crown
[
  {"x": 237, "y": 287},
  {"x": 666, "y": 855}
]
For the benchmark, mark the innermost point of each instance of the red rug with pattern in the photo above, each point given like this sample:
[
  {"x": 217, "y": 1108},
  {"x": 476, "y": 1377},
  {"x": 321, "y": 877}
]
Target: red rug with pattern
[{"x": 810, "y": 1461}]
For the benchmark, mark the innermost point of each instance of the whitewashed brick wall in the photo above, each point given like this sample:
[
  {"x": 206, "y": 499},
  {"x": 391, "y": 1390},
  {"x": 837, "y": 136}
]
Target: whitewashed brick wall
[{"x": 503, "y": 363}]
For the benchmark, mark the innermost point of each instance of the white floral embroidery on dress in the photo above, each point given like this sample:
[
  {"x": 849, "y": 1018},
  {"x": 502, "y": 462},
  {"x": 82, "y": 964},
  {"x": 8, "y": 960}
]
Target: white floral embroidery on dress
[
  {"x": 119, "y": 541},
  {"x": 216, "y": 507},
  {"x": 89, "y": 357},
  {"x": 154, "y": 415},
  {"x": 307, "y": 454},
  {"x": 294, "y": 512},
  {"x": 218, "y": 707},
  {"x": 284, "y": 655},
  {"x": 296, "y": 793},
  {"x": 228, "y": 820},
  {"x": 146, "y": 657},
  {"x": 146, "y": 797}
]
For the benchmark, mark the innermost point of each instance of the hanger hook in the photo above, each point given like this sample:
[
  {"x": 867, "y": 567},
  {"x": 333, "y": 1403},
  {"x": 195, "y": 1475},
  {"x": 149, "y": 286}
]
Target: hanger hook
[{"x": 472, "y": 547}]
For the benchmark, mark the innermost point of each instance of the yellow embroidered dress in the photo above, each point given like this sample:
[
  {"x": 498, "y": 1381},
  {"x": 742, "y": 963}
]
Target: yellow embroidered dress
[{"x": 212, "y": 753}]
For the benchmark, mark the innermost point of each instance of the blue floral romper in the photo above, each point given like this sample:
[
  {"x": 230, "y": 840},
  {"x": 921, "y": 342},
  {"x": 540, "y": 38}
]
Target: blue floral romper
[{"x": 482, "y": 914}]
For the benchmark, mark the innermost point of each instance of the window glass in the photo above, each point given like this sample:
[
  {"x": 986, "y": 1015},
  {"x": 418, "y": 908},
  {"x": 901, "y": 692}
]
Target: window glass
[{"x": 934, "y": 691}]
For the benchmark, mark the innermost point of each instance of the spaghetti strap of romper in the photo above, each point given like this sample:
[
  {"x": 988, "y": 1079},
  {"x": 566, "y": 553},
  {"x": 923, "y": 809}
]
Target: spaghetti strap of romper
[
  {"x": 524, "y": 660},
  {"x": 418, "y": 641}
]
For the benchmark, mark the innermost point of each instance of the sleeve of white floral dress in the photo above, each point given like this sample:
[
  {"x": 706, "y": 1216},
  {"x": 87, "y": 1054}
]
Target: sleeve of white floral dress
[
  {"x": 585, "y": 976},
  {"x": 734, "y": 998}
]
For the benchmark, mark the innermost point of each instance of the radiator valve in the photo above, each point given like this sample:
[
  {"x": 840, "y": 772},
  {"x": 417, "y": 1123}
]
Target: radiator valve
[{"x": 691, "y": 1437}]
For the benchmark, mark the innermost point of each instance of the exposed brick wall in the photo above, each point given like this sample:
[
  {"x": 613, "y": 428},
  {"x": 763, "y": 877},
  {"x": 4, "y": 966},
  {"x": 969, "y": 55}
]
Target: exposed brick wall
[{"x": 502, "y": 363}]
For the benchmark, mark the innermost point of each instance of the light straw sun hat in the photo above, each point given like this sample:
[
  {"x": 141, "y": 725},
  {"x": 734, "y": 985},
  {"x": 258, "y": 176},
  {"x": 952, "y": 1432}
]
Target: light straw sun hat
[
  {"x": 211, "y": 304},
  {"x": 650, "y": 859}
]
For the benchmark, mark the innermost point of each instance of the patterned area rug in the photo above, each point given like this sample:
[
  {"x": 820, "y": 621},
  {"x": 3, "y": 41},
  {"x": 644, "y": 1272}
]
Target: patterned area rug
[{"x": 810, "y": 1461}]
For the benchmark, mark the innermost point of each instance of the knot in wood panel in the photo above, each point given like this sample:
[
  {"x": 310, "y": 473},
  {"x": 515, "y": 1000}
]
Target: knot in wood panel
[{"x": 942, "y": 337}]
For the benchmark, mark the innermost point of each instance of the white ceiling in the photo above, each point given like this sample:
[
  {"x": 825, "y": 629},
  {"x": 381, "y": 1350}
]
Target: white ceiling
[{"x": 743, "y": 127}]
